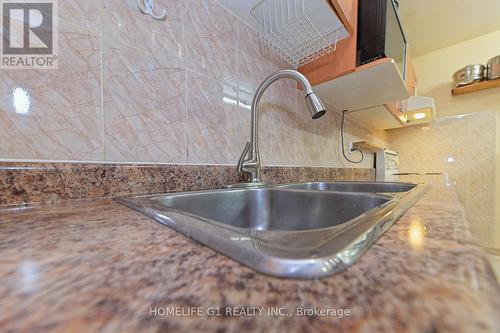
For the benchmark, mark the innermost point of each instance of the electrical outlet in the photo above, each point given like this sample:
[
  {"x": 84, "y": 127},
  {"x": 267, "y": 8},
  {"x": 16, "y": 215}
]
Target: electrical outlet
[{"x": 351, "y": 146}]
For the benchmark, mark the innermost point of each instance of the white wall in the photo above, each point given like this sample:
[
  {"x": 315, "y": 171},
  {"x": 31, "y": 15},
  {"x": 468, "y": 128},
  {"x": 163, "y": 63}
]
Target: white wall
[{"x": 435, "y": 71}]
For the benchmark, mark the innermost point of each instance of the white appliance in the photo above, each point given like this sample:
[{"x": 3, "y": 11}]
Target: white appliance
[{"x": 386, "y": 164}]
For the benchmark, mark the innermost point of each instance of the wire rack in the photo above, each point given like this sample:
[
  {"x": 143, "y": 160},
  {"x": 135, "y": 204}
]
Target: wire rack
[{"x": 286, "y": 27}]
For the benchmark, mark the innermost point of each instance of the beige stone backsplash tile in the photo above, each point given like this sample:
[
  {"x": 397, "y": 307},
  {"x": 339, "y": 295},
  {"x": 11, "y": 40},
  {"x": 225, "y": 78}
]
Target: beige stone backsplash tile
[
  {"x": 134, "y": 93},
  {"x": 463, "y": 147},
  {"x": 304, "y": 134},
  {"x": 211, "y": 40},
  {"x": 211, "y": 120},
  {"x": 145, "y": 116},
  {"x": 278, "y": 148},
  {"x": 482, "y": 150},
  {"x": 152, "y": 136},
  {"x": 79, "y": 58},
  {"x": 242, "y": 120},
  {"x": 173, "y": 91},
  {"x": 55, "y": 114},
  {"x": 305, "y": 145},
  {"x": 83, "y": 13},
  {"x": 144, "y": 83},
  {"x": 481, "y": 178},
  {"x": 122, "y": 57},
  {"x": 480, "y": 231},
  {"x": 134, "y": 42},
  {"x": 482, "y": 127},
  {"x": 484, "y": 203},
  {"x": 254, "y": 60},
  {"x": 69, "y": 132},
  {"x": 326, "y": 140},
  {"x": 449, "y": 131},
  {"x": 79, "y": 50}
]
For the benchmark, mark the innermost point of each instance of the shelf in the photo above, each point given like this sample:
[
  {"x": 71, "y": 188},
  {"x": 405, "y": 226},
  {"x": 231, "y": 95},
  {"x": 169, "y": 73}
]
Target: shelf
[
  {"x": 483, "y": 85},
  {"x": 341, "y": 62},
  {"x": 376, "y": 83},
  {"x": 378, "y": 118},
  {"x": 365, "y": 146}
]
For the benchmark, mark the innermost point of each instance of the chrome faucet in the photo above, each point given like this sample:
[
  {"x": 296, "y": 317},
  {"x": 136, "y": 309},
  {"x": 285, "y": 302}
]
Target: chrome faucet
[{"x": 249, "y": 161}]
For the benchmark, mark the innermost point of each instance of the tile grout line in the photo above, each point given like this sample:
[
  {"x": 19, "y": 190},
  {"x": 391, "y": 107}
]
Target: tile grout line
[
  {"x": 236, "y": 119},
  {"x": 236, "y": 16},
  {"x": 147, "y": 163},
  {"x": 103, "y": 125},
  {"x": 295, "y": 138},
  {"x": 186, "y": 109}
]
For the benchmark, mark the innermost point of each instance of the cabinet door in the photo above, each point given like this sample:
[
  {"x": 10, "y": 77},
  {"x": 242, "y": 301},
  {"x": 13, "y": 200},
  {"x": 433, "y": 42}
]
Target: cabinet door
[
  {"x": 411, "y": 76},
  {"x": 397, "y": 110},
  {"x": 378, "y": 118},
  {"x": 346, "y": 10},
  {"x": 343, "y": 60}
]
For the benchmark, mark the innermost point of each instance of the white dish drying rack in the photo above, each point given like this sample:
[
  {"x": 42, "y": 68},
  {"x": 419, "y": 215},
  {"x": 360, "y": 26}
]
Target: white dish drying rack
[{"x": 298, "y": 30}]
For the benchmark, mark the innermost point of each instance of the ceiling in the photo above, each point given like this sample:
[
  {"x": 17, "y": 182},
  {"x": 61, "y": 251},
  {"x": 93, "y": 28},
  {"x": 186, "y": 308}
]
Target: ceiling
[{"x": 433, "y": 24}]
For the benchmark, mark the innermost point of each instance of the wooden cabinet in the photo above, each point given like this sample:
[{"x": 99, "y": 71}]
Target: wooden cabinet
[
  {"x": 374, "y": 84},
  {"x": 375, "y": 94},
  {"x": 411, "y": 75},
  {"x": 343, "y": 60},
  {"x": 397, "y": 109},
  {"x": 378, "y": 117},
  {"x": 382, "y": 117},
  {"x": 347, "y": 12}
]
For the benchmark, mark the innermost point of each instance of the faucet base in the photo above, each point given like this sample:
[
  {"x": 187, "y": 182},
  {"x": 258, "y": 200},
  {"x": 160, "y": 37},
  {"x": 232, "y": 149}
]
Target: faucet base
[{"x": 249, "y": 185}]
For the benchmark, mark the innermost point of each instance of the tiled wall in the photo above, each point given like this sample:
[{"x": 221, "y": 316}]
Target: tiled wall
[
  {"x": 133, "y": 89},
  {"x": 464, "y": 147}
]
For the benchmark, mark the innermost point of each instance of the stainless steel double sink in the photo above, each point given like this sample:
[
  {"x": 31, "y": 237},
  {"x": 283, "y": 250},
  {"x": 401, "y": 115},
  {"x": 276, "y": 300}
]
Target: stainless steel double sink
[{"x": 300, "y": 230}]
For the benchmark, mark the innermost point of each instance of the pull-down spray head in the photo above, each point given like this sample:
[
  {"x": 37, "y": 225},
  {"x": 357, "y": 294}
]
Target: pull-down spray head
[{"x": 315, "y": 106}]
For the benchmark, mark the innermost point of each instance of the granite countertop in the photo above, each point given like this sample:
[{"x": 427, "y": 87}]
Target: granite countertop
[{"x": 97, "y": 266}]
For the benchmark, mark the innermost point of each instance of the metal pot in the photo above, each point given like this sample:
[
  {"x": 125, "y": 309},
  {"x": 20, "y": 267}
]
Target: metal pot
[
  {"x": 469, "y": 74},
  {"x": 494, "y": 68}
]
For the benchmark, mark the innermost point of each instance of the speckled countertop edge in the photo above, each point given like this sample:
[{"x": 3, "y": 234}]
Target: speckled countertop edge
[
  {"x": 98, "y": 266},
  {"x": 31, "y": 182}
]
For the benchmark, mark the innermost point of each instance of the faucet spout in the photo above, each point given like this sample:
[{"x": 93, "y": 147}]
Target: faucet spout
[{"x": 250, "y": 158}]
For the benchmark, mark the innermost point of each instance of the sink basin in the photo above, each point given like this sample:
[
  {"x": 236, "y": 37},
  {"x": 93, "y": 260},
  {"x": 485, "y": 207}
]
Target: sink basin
[
  {"x": 373, "y": 187},
  {"x": 307, "y": 230},
  {"x": 270, "y": 209}
]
